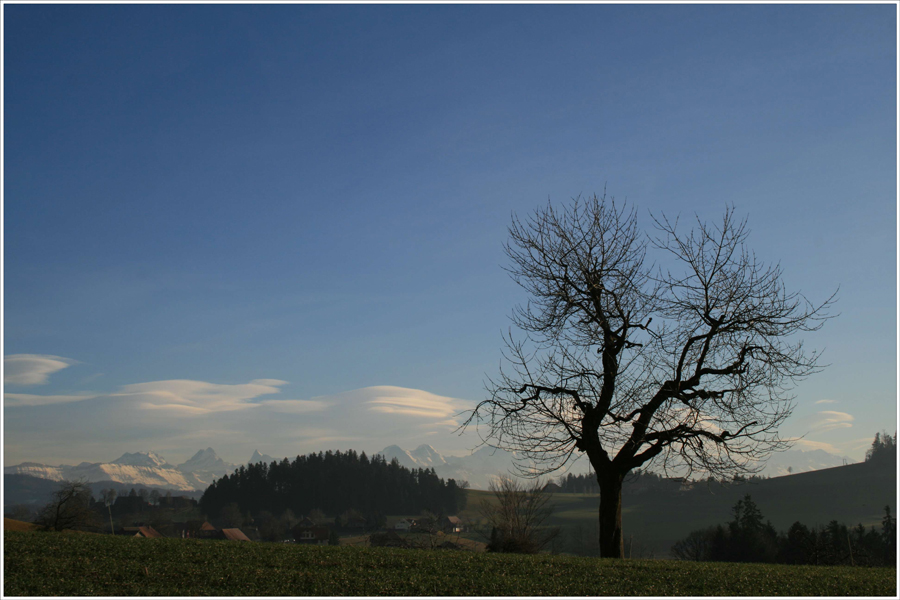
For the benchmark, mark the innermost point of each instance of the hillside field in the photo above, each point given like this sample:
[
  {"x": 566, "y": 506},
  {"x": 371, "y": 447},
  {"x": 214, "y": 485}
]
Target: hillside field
[
  {"x": 850, "y": 494},
  {"x": 70, "y": 564},
  {"x": 13, "y": 525}
]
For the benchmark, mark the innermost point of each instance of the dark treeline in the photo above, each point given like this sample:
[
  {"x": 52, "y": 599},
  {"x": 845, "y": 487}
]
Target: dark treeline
[
  {"x": 638, "y": 481},
  {"x": 882, "y": 452},
  {"x": 748, "y": 538},
  {"x": 334, "y": 482},
  {"x": 884, "y": 448}
]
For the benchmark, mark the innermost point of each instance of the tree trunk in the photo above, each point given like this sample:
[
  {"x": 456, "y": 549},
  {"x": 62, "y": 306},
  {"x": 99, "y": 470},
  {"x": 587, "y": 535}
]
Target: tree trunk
[{"x": 612, "y": 543}]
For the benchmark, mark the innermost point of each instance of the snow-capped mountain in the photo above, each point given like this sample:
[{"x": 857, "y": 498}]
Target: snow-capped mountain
[
  {"x": 136, "y": 468},
  {"x": 261, "y": 458},
  {"x": 403, "y": 457},
  {"x": 141, "y": 459},
  {"x": 476, "y": 468},
  {"x": 426, "y": 455},
  {"x": 205, "y": 460},
  {"x": 205, "y": 466}
]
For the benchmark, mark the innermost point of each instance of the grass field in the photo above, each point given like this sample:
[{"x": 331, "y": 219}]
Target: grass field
[{"x": 70, "y": 564}]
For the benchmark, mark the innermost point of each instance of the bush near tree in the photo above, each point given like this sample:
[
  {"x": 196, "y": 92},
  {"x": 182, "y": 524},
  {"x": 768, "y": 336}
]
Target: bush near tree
[{"x": 517, "y": 516}]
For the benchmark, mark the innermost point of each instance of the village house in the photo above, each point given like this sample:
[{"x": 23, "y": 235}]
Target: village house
[
  {"x": 403, "y": 525},
  {"x": 452, "y": 525},
  {"x": 315, "y": 534}
]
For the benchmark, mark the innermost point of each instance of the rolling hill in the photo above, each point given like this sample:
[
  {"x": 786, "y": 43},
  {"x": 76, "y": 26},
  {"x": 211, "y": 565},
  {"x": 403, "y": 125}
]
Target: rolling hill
[{"x": 655, "y": 519}]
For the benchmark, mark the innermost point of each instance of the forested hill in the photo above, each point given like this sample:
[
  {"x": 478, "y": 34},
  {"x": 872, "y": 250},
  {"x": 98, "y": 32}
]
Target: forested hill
[{"x": 334, "y": 482}]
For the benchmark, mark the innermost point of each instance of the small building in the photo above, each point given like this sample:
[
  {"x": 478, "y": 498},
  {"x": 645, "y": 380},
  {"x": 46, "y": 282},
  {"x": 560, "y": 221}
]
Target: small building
[
  {"x": 452, "y": 525},
  {"x": 208, "y": 532},
  {"x": 403, "y": 525},
  {"x": 317, "y": 534}
]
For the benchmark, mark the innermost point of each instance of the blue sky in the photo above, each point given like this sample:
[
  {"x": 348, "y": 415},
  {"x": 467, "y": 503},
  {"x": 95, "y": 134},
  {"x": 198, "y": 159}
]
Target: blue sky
[{"x": 280, "y": 227}]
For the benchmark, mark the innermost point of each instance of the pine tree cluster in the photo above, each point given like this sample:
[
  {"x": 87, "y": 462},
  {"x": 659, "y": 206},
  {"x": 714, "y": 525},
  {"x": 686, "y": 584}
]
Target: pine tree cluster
[
  {"x": 334, "y": 482},
  {"x": 884, "y": 448}
]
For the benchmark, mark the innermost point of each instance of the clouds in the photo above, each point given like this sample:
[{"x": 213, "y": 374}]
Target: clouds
[
  {"x": 807, "y": 445},
  {"x": 826, "y": 420},
  {"x": 31, "y": 369},
  {"x": 188, "y": 397},
  {"x": 10, "y": 399},
  {"x": 174, "y": 416},
  {"x": 403, "y": 401},
  {"x": 825, "y": 401}
]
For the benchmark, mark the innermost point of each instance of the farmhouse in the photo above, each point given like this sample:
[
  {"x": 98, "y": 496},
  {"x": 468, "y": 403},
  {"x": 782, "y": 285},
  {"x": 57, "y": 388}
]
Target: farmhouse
[
  {"x": 403, "y": 525},
  {"x": 452, "y": 525},
  {"x": 316, "y": 534}
]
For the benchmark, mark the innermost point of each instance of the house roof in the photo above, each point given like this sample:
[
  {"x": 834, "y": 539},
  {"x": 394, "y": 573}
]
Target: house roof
[
  {"x": 143, "y": 531},
  {"x": 455, "y": 520},
  {"x": 207, "y": 526},
  {"x": 235, "y": 535}
]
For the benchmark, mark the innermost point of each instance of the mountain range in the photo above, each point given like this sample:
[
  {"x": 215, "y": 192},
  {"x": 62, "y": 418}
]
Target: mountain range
[
  {"x": 146, "y": 469},
  {"x": 150, "y": 470}
]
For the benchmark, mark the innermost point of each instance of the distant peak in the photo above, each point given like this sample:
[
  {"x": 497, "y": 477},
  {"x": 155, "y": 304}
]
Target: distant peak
[
  {"x": 259, "y": 457},
  {"x": 204, "y": 453},
  {"x": 140, "y": 459}
]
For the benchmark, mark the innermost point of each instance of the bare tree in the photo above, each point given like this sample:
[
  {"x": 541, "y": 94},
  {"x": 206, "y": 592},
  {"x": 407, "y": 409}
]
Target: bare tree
[
  {"x": 70, "y": 508},
  {"x": 518, "y": 515},
  {"x": 687, "y": 364}
]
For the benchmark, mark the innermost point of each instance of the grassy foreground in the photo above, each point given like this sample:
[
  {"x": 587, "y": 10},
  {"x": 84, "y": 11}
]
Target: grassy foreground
[{"x": 70, "y": 564}]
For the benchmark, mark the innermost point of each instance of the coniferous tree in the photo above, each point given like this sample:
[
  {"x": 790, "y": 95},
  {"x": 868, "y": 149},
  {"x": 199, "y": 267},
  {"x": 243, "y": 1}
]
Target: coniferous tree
[{"x": 334, "y": 482}]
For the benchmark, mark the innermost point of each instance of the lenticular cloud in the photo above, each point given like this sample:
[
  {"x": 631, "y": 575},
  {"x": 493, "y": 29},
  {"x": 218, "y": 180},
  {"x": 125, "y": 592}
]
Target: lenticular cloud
[{"x": 31, "y": 369}]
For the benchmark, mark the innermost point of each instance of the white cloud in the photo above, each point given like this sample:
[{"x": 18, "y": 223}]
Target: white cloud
[
  {"x": 410, "y": 402},
  {"x": 31, "y": 369},
  {"x": 166, "y": 415},
  {"x": 37, "y": 400},
  {"x": 272, "y": 382},
  {"x": 825, "y": 402},
  {"x": 807, "y": 445},
  {"x": 826, "y": 420},
  {"x": 198, "y": 397},
  {"x": 182, "y": 408},
  {"x": 293, "y": 406}
]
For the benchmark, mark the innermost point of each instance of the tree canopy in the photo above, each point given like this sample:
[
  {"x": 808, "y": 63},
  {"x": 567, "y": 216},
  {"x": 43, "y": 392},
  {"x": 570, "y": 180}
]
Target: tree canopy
[{"x": 333, "y": 482}]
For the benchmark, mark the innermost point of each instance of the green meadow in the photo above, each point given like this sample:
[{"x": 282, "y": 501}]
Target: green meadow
[{"x": 73, "y": 564}]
